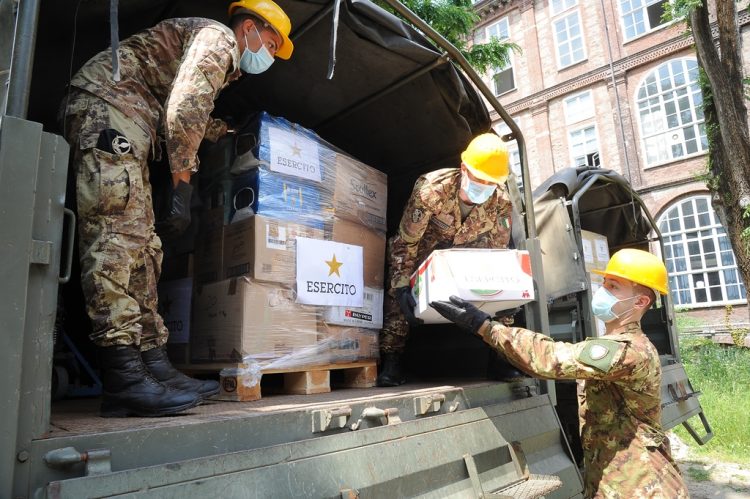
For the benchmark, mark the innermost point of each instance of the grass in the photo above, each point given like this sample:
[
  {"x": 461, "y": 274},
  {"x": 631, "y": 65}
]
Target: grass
[
  {"x": 699, "y": 474},
  {"x": 722, "y": 374}
]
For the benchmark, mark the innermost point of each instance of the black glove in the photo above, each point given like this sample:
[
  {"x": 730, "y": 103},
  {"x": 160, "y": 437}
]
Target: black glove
[
  {"x": 463, "y": 313},
  {"x": 178, "y": 211},
  {"x": 407, "y": 303}
]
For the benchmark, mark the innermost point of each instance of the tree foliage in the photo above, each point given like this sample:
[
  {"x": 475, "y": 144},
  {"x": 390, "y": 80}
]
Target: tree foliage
[{"x": 455, "y": 20}]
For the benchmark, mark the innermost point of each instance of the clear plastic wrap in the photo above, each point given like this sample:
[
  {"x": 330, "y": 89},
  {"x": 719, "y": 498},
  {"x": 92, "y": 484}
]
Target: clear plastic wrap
[{"x": 271, "y": 184}]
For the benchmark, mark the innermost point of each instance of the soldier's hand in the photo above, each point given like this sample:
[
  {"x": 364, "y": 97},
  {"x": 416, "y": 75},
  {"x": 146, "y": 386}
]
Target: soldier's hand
[
  {"x": 461, "y": 312},
  {"x": 407, "y": 303},
  {"x": 178, "y": 212}
]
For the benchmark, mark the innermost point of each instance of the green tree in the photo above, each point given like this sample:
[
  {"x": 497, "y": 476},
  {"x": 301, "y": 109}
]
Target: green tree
[
  {"x": 455, "y": 20},
  {"x": 723, "y": 86}
]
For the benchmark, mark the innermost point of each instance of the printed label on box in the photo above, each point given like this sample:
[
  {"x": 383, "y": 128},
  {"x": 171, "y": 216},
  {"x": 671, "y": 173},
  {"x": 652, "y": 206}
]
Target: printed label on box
[
  {"x": 602, "y": 250},
  {"x": 370, "y": 315},
  {"x": 293, "y": 154},
  {"x": 329, "y": 273},
  {"x": 276, "y": 237}
]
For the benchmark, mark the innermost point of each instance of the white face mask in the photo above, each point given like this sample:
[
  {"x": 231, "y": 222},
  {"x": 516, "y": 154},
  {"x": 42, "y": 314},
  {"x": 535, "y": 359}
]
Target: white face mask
[
  {"x": 476, "y": 192},
  {"x": 602, "y": 303},
  {"x": 256, "y": 62}
]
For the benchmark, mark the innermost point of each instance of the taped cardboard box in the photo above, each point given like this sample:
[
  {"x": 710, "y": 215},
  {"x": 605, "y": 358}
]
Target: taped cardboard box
[
  {"x": 361, "y": 193},
  {"x": 491, "y": 279},
  {"x": 369, "y": 316},
  {"x": 595, "y": 250},
  {"x": 237, "y": 318},
  {"x": 264, "y": 248},
  {"x": 209, "y": 247},
  {"x": 342, "y": 344},
  {"x": 265, "y": 192},
  {"x": 175, "y": 299},
  {"x": 373, "y": 246}
]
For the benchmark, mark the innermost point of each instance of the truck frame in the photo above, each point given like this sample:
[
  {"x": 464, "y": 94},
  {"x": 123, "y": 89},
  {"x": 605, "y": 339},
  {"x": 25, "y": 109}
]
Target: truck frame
[{"x": 437, "y": 437}]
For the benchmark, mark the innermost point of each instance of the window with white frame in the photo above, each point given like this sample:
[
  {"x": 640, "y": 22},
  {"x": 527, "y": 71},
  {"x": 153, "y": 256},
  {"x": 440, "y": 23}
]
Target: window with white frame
[
  {"x": 561, "y": 5},
  {"x": 502, "y": 79},
  {"x": 670, "y": 110},
  {"x": 578, "y": 107},
  {"x": 569, "y": 39},
  {"x": 584, "y": 146},
  {"x": 641, "y": 16},
  {"x": 701, "y": 265},
  {"x": 499, "y": 29}
]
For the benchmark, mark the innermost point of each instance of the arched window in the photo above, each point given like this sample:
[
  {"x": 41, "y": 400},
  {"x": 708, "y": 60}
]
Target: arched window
[
  {"x": 701, "y": 265},
  {"x": 669, "y": 107}
]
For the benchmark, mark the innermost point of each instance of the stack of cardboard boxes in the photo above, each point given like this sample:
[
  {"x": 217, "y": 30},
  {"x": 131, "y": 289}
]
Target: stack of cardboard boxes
[
  {"x": 261, "y": 192},
  {"x": 595, "y": 257}
]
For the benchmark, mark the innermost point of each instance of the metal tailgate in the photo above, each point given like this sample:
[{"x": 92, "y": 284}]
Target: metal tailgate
[{"x": 490, "y": 451}]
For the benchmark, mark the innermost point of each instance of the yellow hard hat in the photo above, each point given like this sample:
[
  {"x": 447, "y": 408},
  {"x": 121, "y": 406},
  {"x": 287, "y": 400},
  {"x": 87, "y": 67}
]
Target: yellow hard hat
[
  {"x": 637, "y": 266},
  {"x": 273, "y": 15},
  {"x": 486, "y": 157}
]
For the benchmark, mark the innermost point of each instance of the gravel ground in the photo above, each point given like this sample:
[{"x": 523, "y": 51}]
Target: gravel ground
[{"x": 706, "y": 478}]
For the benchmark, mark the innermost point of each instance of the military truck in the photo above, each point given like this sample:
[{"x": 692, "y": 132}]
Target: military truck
[{"x": 400, "y": 99}]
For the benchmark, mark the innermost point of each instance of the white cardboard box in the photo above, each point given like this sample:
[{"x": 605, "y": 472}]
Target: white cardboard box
[
  {"x": 369, "y": 316},
  {"x": 492, "y": 279}
]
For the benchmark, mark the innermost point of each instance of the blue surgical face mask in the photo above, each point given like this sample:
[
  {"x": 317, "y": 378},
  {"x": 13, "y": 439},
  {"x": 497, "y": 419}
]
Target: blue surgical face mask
[
  {"x": 256, "y": 62},
  {"x": 476, "y": 192},
  {"x": 602, "y": 303}
]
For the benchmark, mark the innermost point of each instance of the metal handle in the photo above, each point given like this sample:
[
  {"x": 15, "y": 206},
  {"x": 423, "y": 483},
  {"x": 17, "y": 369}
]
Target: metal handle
[
  {"x": 71, "y": 217},
  {"x": 706, "y": 426}
]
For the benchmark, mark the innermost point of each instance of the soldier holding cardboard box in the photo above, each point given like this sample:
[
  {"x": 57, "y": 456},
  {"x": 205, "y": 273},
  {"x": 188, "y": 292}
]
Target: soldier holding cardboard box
[
  {"x": 464, "y": 207},
  {"x": 625, "y": 450}
]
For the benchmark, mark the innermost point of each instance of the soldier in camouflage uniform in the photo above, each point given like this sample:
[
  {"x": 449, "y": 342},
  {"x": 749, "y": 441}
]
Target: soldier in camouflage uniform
[
  {"x": 169, "y": 77},
  {"x": 626, "y": 453},
  {"x": 465, "y": 207}
]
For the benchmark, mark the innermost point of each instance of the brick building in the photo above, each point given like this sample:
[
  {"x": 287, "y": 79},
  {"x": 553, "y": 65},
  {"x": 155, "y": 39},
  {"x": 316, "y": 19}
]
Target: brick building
[{"x": 606, "y": 83}]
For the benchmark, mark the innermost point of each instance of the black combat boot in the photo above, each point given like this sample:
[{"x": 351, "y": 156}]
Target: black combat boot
[
  {"x": 158, "y": 364},
  {"x": 128, "y": 389},
  {"x": 391, "y": 373}
]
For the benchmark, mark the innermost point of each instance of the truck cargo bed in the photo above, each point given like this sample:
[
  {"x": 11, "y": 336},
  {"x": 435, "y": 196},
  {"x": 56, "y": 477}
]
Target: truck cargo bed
[
  {"x": 81, "y": 416},
  {"x": 455, "y": 438}
]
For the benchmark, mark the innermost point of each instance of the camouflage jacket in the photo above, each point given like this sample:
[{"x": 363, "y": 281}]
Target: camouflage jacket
[
  {"x": 432, "y": 220},
  {"x": 170, "y": 76},
  {"x": 626, "y": 453}
]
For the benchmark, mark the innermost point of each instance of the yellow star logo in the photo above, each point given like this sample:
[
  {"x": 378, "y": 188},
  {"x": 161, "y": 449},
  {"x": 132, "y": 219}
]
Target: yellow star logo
[
  {"x": 334, "y": 266},
  {"x": 296, "y": 150}
]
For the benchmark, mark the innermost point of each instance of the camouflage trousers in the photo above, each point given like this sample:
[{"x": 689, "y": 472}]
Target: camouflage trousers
[
  {"x": 395, "y": 328},
  {"x": 120, "y": 253}
]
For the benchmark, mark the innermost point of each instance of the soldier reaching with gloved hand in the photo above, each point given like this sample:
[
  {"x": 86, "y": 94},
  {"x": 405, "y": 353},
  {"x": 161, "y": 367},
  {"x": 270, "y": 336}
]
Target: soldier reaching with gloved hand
[
  {"x": 466, "y": 207},
  {"x": 169, "y": 77},
  {"x": 626, "y": 453}
]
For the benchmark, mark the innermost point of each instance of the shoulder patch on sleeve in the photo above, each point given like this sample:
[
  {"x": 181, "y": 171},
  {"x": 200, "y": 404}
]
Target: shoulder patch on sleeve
[{"x": 599, "y": 353}]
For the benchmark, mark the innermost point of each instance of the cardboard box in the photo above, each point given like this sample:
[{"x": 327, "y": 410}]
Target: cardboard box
[
  {"x": 209, "y": 246},
  {"x": 373, "y": 244},
  {"x": 282, "y": 196},
  {"x": 595, "y": 250},
  {"x": 369, "y": 316},
  {"x": 597, "y": 281},
  {"x": 361, "y": 193},
  {"x": 264, "y": 248},
  {"x": 340, "y": 344},
  {"x": 492, "y": 279},
  {"x": 241, "y": 317},
  {"x": 175, "y": 298}
]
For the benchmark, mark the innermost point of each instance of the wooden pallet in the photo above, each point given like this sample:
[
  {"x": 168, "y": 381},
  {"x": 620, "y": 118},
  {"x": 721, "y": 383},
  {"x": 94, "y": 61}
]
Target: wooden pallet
[{"x": 304, "y": 380}]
